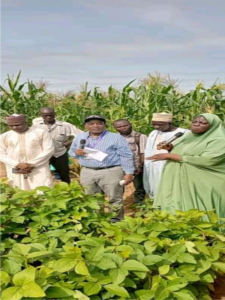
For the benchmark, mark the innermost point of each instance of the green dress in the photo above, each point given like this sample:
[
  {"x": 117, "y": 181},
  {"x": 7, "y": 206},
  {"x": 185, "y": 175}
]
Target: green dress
[{"x": 198, "y": 181}]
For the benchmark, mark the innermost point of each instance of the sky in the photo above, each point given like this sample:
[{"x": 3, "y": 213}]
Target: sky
[{"x": 111, "y": 42}]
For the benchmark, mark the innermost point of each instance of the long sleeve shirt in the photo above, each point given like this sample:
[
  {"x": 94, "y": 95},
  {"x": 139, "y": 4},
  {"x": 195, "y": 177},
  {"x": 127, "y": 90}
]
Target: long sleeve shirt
[
  {"x": 59, "y": 131},
  {"x": 113, "y": 144}
]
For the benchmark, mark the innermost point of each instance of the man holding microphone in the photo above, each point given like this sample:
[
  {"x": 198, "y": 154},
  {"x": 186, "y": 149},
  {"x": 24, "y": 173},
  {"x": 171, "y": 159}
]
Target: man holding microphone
[{"x": 112, "y": 164}]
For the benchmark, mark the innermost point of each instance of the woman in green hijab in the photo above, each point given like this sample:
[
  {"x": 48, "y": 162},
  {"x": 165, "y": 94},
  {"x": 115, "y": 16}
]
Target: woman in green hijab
[{"x": 194, "y": 175}]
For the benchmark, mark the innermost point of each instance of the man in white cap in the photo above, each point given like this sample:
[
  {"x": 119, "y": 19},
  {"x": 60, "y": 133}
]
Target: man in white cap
[
  {"x": 164, "y": 130},
  {"x": 26, "y": 152}
]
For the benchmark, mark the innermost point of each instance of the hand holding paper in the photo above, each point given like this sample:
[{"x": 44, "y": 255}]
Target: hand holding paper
[{"x": 94, "y": 154}]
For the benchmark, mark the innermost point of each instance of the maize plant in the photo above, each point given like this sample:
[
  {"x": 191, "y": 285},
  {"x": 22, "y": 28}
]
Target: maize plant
[
  {"x": 136, "y": 103},
  {"x": 25, "y": 98}
]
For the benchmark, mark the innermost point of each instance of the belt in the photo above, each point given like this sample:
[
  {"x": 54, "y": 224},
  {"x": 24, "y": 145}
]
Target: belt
[{"x": 103, "y": 168}]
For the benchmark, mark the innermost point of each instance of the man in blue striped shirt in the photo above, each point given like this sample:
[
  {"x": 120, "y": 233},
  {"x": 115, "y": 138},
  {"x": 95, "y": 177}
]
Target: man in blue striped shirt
[{"x": 104, "y": 176}]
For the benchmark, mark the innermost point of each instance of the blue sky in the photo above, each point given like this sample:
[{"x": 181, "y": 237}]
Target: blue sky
[{"x": 104, "y": 42}]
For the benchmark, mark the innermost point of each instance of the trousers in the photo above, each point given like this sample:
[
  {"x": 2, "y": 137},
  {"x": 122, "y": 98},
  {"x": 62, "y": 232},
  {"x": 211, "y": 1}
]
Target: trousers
[
  {"x": 106, "y": 181},
  {"x": 61, "y": 164},
  {"x": 139, "y": 194}
]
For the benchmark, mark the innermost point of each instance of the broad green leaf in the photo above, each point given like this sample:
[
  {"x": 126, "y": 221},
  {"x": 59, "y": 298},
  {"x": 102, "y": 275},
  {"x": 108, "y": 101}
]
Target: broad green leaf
[
  {"x": 176, "y": 284},
  {"x": 58, "y": 292},
  {"x": 156, "y": 280},
  {"x": 117, "y": 258},
  {"x": 22, "y": 249},
  {"x": 174, "y": 252},
  {"x": 19, "y": 219},
  {"x": 150, "y": 260},
  {"x": 12, "y": 293},
  {"x": 220, "y": 237},
  {"x": 145, "y": 294},
  {"x": 65, "y": 264},
  {"x": 117, "y": 290},
  {"x": 31, "y": 289},
  {"x": 202, "y": 248},
  {"x": 25, "y": 276},
  {"x": 133, "y": 265},
  {"x": 118, "y": 275},
  {"x": 106, "y": 263},
  {"x": 141, "y": 275},
  {"x": 202, "y": 266},
  {"x": 207, "y": 277},
  {"x": 184, "y": 295},
  {"x": 186, "y": 258},
  {"x": 81, "y": 268},
  {"x": 163, "y": 270},
  {"x": 5, "y": 278},
  {"x": 162, "y": 293},
  {"x": 135, "y": 238},
  {"x": 39, "y": 254},
  {"x": 95, "y": 254},
  {"x": 11, "y": 267},
  {"x": 159, "y": 227},
  {"x": 190, "y": 247},
  {"x": 219, "y": 266},
  {"x": 150, "y": 246},
  {"x": 92, "y": 288},
  {"x": 129, "y": 283},
  {"x": 80, "y": 296},
  {"x": 124, "y": 248},
  {"x": 3, "y": 207}
]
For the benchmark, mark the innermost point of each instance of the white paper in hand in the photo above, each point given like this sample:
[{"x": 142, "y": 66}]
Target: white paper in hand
[{"x": 94, "y": 154}]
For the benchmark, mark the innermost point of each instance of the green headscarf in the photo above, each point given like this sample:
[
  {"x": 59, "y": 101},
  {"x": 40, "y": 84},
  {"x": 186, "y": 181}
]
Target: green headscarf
[{"x": 198, "y": 181}]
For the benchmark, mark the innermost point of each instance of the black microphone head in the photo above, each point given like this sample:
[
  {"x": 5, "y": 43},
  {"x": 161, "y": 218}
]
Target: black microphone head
[
  {"x": 82, "y": 142},
  {"x": 179, "y": 134}
]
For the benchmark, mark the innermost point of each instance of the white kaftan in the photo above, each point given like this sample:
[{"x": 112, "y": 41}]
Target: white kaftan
[
  {"x": 34, "y": 146},
  {"x": 153, "y": 169}
]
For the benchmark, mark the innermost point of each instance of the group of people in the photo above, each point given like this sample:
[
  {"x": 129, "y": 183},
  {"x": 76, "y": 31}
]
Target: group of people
[{"x": 180, "y": 175}]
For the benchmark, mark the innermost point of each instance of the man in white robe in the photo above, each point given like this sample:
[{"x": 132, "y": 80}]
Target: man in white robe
[
  {"x": 26, "y": 152},
  {"x": 164, "y": 130}
]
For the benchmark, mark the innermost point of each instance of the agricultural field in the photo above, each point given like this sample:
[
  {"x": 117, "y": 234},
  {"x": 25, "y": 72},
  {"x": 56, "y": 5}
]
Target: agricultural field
[
  {"x": 134, "y": 102},
  {"x": 60, "y": 244}
]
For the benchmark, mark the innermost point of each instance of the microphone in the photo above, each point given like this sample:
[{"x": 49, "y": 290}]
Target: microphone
[
  {"x": 173, "y": 138},
  {"x": 82, "y": 144}
]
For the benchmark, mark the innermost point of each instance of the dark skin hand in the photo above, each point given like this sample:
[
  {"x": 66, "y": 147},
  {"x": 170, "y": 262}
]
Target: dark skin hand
[
  {"x": 24, "y": 168},
  {"x": 164, "y": 146},
  {"x": 165, "y": 156}
]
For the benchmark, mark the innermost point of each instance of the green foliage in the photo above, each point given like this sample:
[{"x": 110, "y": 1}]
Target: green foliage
[
  {"x": 136, "y": 103},
  {"x": 59, "y": 244},
  {"x": 25, "y": 98}
]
